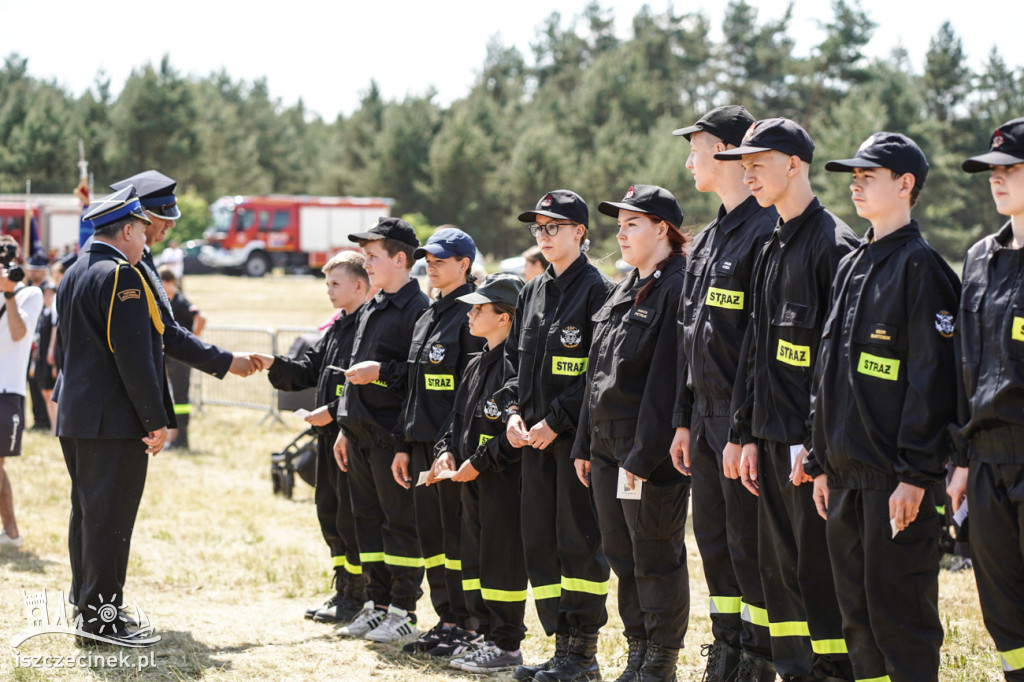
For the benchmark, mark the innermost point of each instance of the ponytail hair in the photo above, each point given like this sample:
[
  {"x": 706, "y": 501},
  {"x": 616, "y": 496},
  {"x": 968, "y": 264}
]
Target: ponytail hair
[{"x": 678, "y": 245}]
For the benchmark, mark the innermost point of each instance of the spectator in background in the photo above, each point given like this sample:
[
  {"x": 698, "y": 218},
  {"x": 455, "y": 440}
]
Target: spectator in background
[
  {"x": 173, "y": 258},
  {"x": 45, "y": 374},
  {"x": 535, "y": 263},
  {"x": 37, "y": 269},
  {"x": 178, "y": 373}
]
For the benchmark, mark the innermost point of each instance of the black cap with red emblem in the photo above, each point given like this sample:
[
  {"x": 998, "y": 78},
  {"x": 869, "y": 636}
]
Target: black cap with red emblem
[
  {"x": 561, "y": 204},
  {"x": 1006, "y": 148},
  {"x": 650, "y": 199}
]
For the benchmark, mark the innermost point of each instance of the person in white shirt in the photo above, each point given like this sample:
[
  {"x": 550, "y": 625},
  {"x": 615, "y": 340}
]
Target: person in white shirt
[{"x": 174, "y": 258}]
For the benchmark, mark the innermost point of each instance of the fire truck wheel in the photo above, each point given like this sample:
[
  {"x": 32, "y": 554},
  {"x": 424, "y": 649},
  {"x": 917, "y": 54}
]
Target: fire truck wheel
[{"x": 257, "y": 265}]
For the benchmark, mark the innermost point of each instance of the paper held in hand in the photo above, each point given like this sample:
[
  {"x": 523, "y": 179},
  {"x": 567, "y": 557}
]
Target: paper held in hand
[
  {"x": 302, "y": 413},
  {"x": 624, "y": 493},
  {"x": 422, "y": 480}
]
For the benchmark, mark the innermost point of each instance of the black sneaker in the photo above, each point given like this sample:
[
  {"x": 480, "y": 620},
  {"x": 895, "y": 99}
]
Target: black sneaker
[
  {"x": 428, "y": 640},
  {"x": 458, "y": 643},
  {"x": 329, "y": 604}
]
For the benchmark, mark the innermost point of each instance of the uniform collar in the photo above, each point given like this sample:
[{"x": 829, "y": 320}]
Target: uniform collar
[
  {"x": 880, "y": 249},
  {"x": 401, "y": 297},
  {"x": 565, "y": 280},
  {"x": 491, "y": 355},
  {"x": 99, "y": 247},
  {"x": 733, "y": 219},
  {"x": 786, "y": 230},
  {"x": 442, "y": 303},
  {"x": 675, "y": 264},
  {"x": 1004, "y": 236}
]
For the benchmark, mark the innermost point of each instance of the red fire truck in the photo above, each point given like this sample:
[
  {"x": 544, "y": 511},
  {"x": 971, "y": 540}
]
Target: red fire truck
[{"x": 252, "y": 234}]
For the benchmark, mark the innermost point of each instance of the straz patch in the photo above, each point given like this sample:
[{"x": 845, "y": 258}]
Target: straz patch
[
  {"x": 437, "y": 353},
  {"x": 440, "y": 382},
  {"x": 571, "y": 336},
  {"x": 880, "y": 368},
  {"x": 483, "y": 439},
  {"x": 798, "y": 356},
  {"x": 339, "y": 389},
  {"x": 568, "y": 367},
  {"x": 129, "y": 294},
  {"x": 944, "y": 323},
  {"x": 1017, "y": 329},
  {"x": 491, "y": 410},
  {"x": 724, "y": 298}
]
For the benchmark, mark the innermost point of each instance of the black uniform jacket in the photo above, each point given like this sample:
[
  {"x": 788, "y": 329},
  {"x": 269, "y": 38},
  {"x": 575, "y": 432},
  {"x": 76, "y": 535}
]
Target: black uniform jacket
[
  {"x": 108, "y": 394},
  {"x": 631, "y": 375},
  {"x": 180, "y": 343},
  {"x": 715, "y": 307},
  {"x": 383, "y": 333},
  {"x": 476, "y": 431},
  {"x": 438, "y": 355},
  {"x": 547, "y": 346},
  {"x": 313, "y": 368},
  {"x": 991, "y": 331},
  {"x": 792, "y": 279},
  {"x": 887, "y": 390}
]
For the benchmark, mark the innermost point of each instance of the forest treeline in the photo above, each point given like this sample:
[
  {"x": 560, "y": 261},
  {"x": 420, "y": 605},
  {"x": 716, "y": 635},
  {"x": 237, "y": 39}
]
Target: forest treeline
[{"x": 585, "y": 110}]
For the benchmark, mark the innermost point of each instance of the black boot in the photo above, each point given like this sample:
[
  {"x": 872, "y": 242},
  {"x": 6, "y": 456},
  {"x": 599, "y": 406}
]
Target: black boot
[
  {"x": 182, "y": 440},
  {"x": 722, "y": 661},
  {"x": 635, "y": 658},
  {"x": 527, "y": 672},
  {"x": 353, "y": 598},
  {"x": 659, "y": 664},
  {"x": 579, "y": 665},
  {"x": 754, "y": 669},
  {"x": 331, "y": 602}
]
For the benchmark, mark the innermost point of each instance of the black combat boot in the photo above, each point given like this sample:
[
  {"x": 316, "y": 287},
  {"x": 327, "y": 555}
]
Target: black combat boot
[
  {"x": 659, "y": 664},
  {"x": 527, "y": 672},
  {"x": 723, "y": 660},
  {"x": 339, "y": 586},
  {"x": 635, "y": 658},
  {"x": 579, "y": 665},
  {"x": 754, "y": 669}
]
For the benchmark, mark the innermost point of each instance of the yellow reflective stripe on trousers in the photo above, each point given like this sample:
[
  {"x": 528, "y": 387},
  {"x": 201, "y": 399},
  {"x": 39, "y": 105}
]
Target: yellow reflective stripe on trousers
[
  {"x": 547, "y": 591},
  {"x": 754, "y": 615},
  {"x": 824, "y": 647},
  {"x": 183, "y": 408},
  {"x": 581, "y": 585},
  {"x": 407, "y": 561},
  {"x": 883, "y": 678},
  {"x": 453, "y": 564},
  {"x": 432, "y": 561},
  {"x": 367, "y": 557},
  {"x": 470, "y": 584},
  {"x": 1012, "y": 659},
  {"x": 502, "y": 595},
  {"x": 793, "y": 628},
  {"x": 725, "y": 604}
]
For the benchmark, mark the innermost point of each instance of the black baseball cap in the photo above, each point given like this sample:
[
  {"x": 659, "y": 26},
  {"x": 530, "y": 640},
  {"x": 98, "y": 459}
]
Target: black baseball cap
[
  {"x": 500, "y": 287},
  {"x": 561, "y": 204},
  {"x": 446, "y": 243},
  {"x": 650, "y": 199},
  {"x": 893, "y": 151},
  {"x": 388, "y": 228},
  {"x": 156, "y": 193},
  {"x": 727, "y": 123},
  {"x": 773, "y": 134},
  {"x": 1006, "y": 148}
]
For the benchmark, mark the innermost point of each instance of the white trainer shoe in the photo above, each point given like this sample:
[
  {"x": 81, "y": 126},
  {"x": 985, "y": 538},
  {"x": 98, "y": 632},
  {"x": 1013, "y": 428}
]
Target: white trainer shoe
[
  {"x": 395, "y": 626},
  {"x": 365, "y": 621}
]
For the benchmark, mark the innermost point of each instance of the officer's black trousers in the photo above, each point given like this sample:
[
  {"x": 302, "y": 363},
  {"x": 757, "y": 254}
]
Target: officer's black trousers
[
  {"x": 644, "y": 541},
  {"x": 725, "y": 528},
  {"x": 804, "y": 619},
  {"x": 107, "y": 479},
  {"x": 493, "y": 562},
  {"x": 568, "y": 571},
  {"x": 438, "y": 526},
  {"x": 995, "y": 495},
  {"x": 385, "y": 518},
  {"x": 179, "y": 375},
  {"x": 888, "y": 588},
  {"x": 334, "y": 507}
]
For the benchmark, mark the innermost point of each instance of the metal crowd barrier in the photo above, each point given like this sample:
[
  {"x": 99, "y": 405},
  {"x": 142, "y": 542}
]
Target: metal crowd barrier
[{"x": 253, "y": 392}]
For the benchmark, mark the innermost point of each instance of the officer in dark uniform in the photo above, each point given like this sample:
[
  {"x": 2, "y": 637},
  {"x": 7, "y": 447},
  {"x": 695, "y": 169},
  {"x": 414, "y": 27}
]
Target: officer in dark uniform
[
  {"x": 991, "y": 465},
  {"x": 715, "y": 304},
  {"x": 885, "y": 397},
  {"x": 114, "y": 408},
  {"x": 771, "y": 400},
  {"x": 625, "y": 432},
  {"x": 545, "y": 362}
]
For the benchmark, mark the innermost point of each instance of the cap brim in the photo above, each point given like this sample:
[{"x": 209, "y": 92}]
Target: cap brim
[
  {"x": 364, "y": 236},
  {"x": 474, "y": 299},
  {"x": 733, "y": 154},
  {"x": 141, "y": 215},
  {"x": 612, "y": 208},
  {"x": 984, "y": 162},
  {"x": 847, "y": 165},
  {"x": 433, "y": 249},
  {"x": 686, "y": 132},
  {"x": 531, "y": 216}
]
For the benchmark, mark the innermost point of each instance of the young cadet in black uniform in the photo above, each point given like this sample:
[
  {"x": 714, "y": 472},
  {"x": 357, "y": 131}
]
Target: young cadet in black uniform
[
  {"x": 440, "y": 348},
  {"x": 321, "y": 366},
  {"x": 368, "y": 413},
  {"x": 990, "y": 469},
  {"x": 771, "y": 398},
  {"x": 487, "y": 473},
  {"x": 178, "y": 373},
  {"x": 625, "y": 431},
  {"x": 115, "y": 406},
  {"x": 882, "y": 411},
  {"x": 545, "y": 360},
  {"x": 715, "y": 305}
]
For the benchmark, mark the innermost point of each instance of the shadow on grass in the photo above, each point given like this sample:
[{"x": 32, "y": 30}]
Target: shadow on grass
[{"x": 26, "y": 561}]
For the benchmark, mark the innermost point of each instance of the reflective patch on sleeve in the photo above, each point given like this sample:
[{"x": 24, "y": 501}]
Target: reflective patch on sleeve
[
  {"x": 724, "y": 298},
  {"x": 880, "y": 368},
  {"x": 440, "y": 382},
  {"x": 798, "y": 356},
  {"x": 380, "y": 382},
  {"x": 483, "y": 439},
  {"x": 129, "y": 294},
  {"x": 1017, "y": 332},
  {"x": 570, "y": 367}
]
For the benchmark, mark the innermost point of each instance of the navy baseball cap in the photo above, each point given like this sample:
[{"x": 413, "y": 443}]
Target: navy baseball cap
[
  {"x": 892, "y": 151},
  {"x": 446, "y": 243},
  {"x": 156, "y": 193},
  {"x": 560, "y": 204},
  {"x": 650, "y": 199},
  {"x": 37, "y": 261},
  {"x": 123, "y": 203},
  {"x": 728, "y": 123},
  {"x": 1006, "y": 148},
  {"x": 388, "y": 228},
  {"x": 773, "y": 134},
  {"x": 500, "y": 287}
]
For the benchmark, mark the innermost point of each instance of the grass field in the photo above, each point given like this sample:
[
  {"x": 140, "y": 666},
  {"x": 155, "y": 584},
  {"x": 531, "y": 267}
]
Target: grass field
[{"x": 224, "y": 569}]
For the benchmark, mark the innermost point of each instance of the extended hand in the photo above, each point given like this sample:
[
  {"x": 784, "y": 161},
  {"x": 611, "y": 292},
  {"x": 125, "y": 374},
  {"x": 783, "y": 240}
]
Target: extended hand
[
  {"x": 365, "y": 372},
  {"x": 261, "y": 361},
  {"x": 242, "y": 365},
  {"x": 321, "y": 416}
]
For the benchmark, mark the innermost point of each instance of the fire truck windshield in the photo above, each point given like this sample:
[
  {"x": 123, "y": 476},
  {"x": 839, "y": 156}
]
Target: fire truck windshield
[{"x": 221, "y": 216}]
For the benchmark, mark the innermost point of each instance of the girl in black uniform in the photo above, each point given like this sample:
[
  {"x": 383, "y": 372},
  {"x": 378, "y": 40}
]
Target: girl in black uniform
[
  {"x": 625, "y": 432},
  {"x": 990, "y": 469}
]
